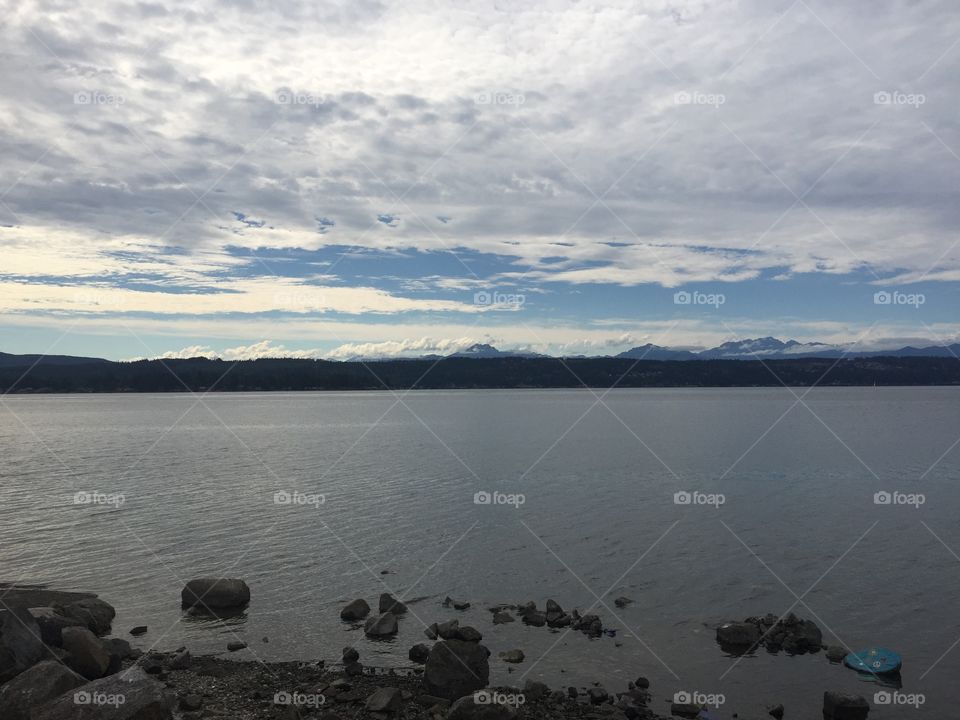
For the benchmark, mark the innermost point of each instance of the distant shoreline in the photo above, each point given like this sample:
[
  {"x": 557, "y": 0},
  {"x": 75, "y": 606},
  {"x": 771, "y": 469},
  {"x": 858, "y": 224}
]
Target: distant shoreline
[{"x": 506, "y": 373}]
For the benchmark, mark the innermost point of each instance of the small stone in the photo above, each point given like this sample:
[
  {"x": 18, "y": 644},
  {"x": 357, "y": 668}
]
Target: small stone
[
  {"x": 777, "y": 712},
  {"x": 462, "y": 605},
  {"x": 642, "y": 683},
  {"x": 534, "y": 690},
  {"x": 353, "y": 669},
  {"x": 350, "y": 655},
  {"x": 138, "y": 630},
  {"x": 389, "y": 604},
  {"x": 191, "y": 702},
  {"x": 469, "y": 634},
  {"x": 181, "y": 661},
  {"x": 597, "y": 695},
  {"x": 836, "y": 653},
  {"x": 501, "y": 617},
  {"x": 236, "y": 645},
  {"x": 381, "y": 626},
  {"x": 356, "y": 610},
  {"x": 512, "y": 656},
  {"x": 622, "y": 602},
  {"x": 844, "y": 706}
]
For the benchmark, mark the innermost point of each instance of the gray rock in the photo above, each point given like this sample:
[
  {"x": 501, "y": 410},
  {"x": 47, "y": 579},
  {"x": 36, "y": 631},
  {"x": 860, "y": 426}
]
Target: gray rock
[
  {"x": 20, "y": 644},
  {"x": 92, "y": 612},
  {"x": 51, "y": 623},
  {"x": 512, "y": 656},
  {"x": 685, "y": 710},
  {"x": 236, "y": 645},
  {"x": 87, "y": 655},
  {"x": 844, "y": 706},
  {"x": 642, "y": 683},
  {"x": 501, "y": 617},
  {"x": 143, "y": 699},
  {"x": 461, "y": 605},
  {"x": 469, "y": 634},
  {"x": 120, "y": 647},
  {"x": 535, "y": 618},
  {"x": 553, "y": 607},
  {"x": 139, "y": 630},
  {"x": 350, "y": 655},
  {"x": 215, "y": 593},
  {"x": 776, "y": 712},
  {"x": 622, "y": 602},
  {"x": 353, "y": 669},
  {"x": 558, "y": 620},
  {"x": 35, "y": 686},
  {"x": 419, "y": 653},
  {"x": 456, "y": 668},
  {"x": 597, "y": 695},
  {"x": 836, "y": 653},
  {"x": 191, "y": 702},
  {"x": 534, "y": 690},
  {"x": 738, "y": 635},
  {"x": 181, "y": 661},
  {"x": 356, "y": 610},
  {"x": 389, "y": 604},
  {"x": 384, "y": 700},
  {"x": 381, "y": 626},
  {"x": 473, "y": 707},
  {"x": 432, "y": 632},
  {"x": 449, "y": 630}
]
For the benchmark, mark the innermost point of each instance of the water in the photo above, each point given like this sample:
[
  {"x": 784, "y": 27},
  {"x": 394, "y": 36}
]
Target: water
[{"x": 599, "y": 519}]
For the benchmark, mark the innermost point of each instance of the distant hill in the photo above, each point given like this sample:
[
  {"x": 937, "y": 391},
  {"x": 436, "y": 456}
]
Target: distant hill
[
  {"x": 202, "y": 374},
  {"x": 655, "y": 352},
  {"x": 8, "y": 360},
  {"x": 483, "y": 350}
]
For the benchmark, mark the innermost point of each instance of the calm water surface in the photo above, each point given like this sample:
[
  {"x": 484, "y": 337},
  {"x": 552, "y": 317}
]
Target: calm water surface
[{"x": 799, "y": 526}]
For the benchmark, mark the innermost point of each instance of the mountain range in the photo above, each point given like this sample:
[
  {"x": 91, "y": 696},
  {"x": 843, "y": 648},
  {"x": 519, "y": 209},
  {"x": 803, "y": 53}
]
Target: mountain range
[{"x": 766, "y": 348}]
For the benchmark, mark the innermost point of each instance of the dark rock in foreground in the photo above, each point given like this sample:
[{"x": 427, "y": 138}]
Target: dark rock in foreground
[
  {"x": 215, "y": 593},
  {"x": 472, "y": 707},
  {"x": 456, "y": 668},
  {"x": 844, "y": 706},
  {"x": 142, "y": 699},
  {"x": 87, "y": 654},
  {"x": 31, "y": 688},
  {"x": 20, "y": 645},
  {"x": 95, "y": 614}
]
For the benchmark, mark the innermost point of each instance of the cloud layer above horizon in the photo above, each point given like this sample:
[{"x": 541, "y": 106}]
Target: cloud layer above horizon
[{"x": 402, "y": 175}]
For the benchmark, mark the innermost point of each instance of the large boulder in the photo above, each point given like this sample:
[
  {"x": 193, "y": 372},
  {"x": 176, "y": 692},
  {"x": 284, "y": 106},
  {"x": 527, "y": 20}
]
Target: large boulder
[
  {"x": 456, "y": 668},
  {"x": 129, "y": 695},
  {"x": 95, "y": 614},
  {"x": 51, "y": 623},
  {"x": 356, "y": 610},
  {"x": 215, "y": 593},
  {"x": 35, "y": 686},
  {"x": 20, "y": 643},
  {"x": 381, "y": 626},
  {"x": 480, "y": 706},
  {"x": 87, "y": 654}
]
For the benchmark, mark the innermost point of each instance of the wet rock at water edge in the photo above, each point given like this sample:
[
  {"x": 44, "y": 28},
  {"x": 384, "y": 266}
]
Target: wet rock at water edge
[
  {"x": 512, "y": 656},
  {"x": 181, "y": 661},
  {"x": 597, "y": 695},
  {"x": 236, "y": 645},
  {"x": 776, "y": 712},
  {"x": 51, "y": 623},
  {"x": 95, "y": 614},
  {"x": 534, "y": 690},
  {"x": 419, "y": 653},
  {"x": 383, "y": 625},
  {"x": 534, "y": 618},
  {"x": 138, "y": 630},
  {"x": 844, "y": 706},
  {"x": 622, "y": 602},
  {"x": 738, "y": 635},
  {"x": 501, "y": 617},
  {"x": 356, "y": 610},
  {"x": 215, "y": 593},
  {"x": 469, "y": 634},
  {"x": 350, "y": 655},
  {"x": 389, "y": 604},
  {"x": 836, "y": 654},
  {"x": 448, "y": 630}
]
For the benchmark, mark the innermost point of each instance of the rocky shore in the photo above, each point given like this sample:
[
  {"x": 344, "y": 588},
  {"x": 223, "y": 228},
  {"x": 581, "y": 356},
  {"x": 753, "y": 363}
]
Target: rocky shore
[{"x": 57, "y": 663}]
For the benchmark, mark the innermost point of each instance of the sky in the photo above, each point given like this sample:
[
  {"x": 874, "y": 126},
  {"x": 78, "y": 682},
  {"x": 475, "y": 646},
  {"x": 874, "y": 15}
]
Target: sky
[{"x": 363, "y": 178}]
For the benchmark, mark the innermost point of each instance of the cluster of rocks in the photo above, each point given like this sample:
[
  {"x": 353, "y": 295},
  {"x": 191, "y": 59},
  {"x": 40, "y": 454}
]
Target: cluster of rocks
[
  {"x": 790, "y": 634},
  {"x": 552, "y": 616},
  {"x": 55, "y": 662},
  {"x": 382, "y": 625}
]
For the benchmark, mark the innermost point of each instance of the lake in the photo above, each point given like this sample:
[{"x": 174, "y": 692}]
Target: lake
[{"x": 783, "y": 514}]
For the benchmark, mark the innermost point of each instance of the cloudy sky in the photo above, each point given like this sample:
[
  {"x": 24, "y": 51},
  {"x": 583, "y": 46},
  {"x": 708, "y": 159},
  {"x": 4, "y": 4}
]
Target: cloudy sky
[{"x": 363, "y": 177}]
